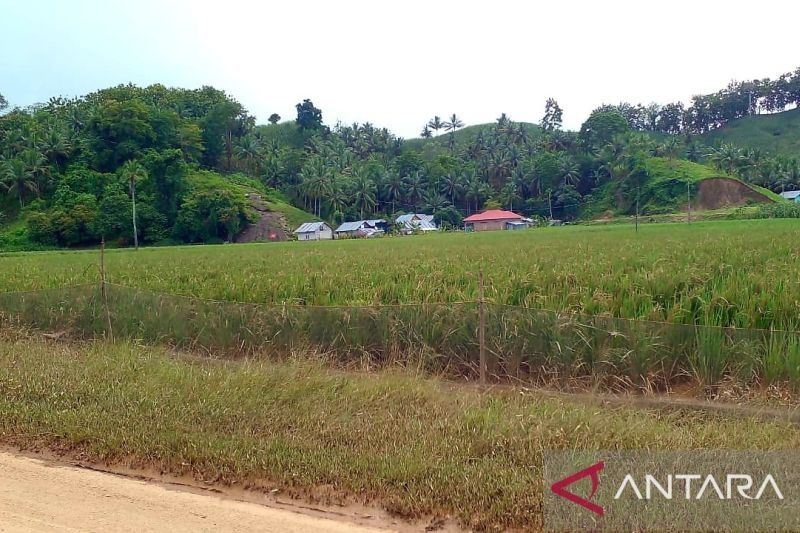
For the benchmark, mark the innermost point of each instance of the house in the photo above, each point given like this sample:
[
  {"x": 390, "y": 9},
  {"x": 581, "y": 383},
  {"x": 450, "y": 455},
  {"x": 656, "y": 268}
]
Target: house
[
  {"x": 494, "y": 219},
  {"x": 415, "y": 222},
  {"x": 361, "y": 228},
  {"x": 314, "y": 231},
  {"x": 794, "y": 196},
  {"x": 517, "y": 224}
]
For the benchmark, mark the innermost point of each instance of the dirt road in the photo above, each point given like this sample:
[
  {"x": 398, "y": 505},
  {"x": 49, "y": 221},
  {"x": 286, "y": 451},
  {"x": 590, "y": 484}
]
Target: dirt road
[{"x": 38, "y": 496}]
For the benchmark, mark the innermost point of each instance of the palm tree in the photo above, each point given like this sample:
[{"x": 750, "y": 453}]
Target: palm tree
[
  {"x": 694, "y": 152},
  {"x": 726, "y": 158},
  {"x": 17, "y": 178},
  {"x": 509, "y": 194},
  {"x": 249, "y": 151},
  {"x": 436, "y": 124},
  {"x": 475, "y": 190},
  {"x": 132, "y": 171},
  {"x": 364, "y": 193},
  {"x": 56, "y": 147},
  {"x": 451, "y": 186},
  {"x": 434, "y": 201},
  {"x": 454, "y": 123},
  {"x": 426, "y": 132},
  {"x": 415, "y": 186},
  {"x": 37, "y": 166},
  {"x": 337, "y": 199},
  {"x": 393, "y": 188},
  {"x": 569, "y": 170}
]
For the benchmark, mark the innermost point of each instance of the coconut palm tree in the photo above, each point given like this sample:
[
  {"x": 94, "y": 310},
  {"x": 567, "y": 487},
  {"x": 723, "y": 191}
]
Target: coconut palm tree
[
  {"x": 434, "y": 201},
  {"x": 132, "y": 171},
  {"x": 451, "y": 186},
  {"x": 415, "y": 186},
  {"x": 17, "y": 178},
  {"x": 364, "y": 192},
  {"x": 436, "y": 124},
  {"x": 38, "y": 167},
  {"x": 569, "y": 170},
  {"x": 393, "y": 187}
]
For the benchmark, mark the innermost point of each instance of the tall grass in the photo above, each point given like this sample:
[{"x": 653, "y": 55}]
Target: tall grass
[
  {"x": 530, "y": 345},
  {"x": 415, "y": 446}
]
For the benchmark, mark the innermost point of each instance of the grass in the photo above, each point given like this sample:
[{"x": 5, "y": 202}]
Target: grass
[
  {"x": 777, "y": 134},
  {"x": 665, "y": 272},
  {"x": 559, "y": 302},
  {"x": 414, "y": 446}
]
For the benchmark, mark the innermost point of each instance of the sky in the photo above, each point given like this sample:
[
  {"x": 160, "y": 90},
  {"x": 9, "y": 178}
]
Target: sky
[{"x": 397, "y": 64}]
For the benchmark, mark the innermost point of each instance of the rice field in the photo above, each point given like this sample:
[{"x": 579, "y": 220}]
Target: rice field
[
  {"x": 742, "y": 274},
  {"x": 714, "y": 301}
]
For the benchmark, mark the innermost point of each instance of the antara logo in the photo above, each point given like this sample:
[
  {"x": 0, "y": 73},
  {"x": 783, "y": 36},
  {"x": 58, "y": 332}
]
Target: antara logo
[
  {"x": 742, "y": 483},
  {"x": 560, "y": 487},
  {"x": 733, "y": 486}
]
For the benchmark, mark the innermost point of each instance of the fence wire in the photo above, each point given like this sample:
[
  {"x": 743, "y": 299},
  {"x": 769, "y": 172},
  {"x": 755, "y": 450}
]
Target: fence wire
[{"x": 531, "y": 345}]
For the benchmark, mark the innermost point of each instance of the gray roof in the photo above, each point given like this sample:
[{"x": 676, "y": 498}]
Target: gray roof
[
  {"x": 351, "y": 226},
  {"x": 791, "y": 195},
  {"x": 408, "y": 218},
  {"x": 312, "y": 227}
]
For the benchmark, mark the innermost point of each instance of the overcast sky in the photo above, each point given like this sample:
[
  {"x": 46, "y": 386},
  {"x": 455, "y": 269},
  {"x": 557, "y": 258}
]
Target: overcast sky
[{"x": 396, "y": 64}]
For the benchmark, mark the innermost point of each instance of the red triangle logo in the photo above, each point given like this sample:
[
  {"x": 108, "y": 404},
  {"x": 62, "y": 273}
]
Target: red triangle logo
[{"x": 560, "y": 487}]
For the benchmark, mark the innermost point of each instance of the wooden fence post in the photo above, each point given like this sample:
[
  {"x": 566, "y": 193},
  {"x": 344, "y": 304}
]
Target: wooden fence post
[
  {"x": 481, "y": 327},
  {"x": 103, "y": 288}
]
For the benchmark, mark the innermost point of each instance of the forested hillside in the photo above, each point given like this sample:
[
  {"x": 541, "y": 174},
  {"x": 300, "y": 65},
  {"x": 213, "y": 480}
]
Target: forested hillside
[{"x": 73, "y": 170}]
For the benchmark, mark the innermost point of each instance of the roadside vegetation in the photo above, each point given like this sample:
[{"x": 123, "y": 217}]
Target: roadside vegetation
[{"x": 414, "y": 446}]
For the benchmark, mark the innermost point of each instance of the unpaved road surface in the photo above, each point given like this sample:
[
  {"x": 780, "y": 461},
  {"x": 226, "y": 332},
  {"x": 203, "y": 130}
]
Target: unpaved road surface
[{"x": 37, "y": 496}]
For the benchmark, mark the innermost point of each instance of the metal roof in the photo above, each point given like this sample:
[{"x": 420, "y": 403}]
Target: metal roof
[
  {"x": 791, "y": 195},
  {"x": 311, "y": 227},
  {"x": 351, "y": 226},
  {"x": 493, "y": 214},
  {"x": 409, "y": 218}
]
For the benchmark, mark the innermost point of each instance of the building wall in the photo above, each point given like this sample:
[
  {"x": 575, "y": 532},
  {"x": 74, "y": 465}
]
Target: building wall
[
  {"x": 489, "y": 225},
  {"x": 321, "y": 235}
]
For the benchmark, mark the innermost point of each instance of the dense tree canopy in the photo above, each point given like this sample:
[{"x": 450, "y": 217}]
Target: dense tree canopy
[{"x": 70, "y": 168}]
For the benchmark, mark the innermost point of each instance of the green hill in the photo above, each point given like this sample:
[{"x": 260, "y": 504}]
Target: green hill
[
  {"x": 440, "y": 144},
  {"x": 666, "y": 191},
  {"x": 777, "y": 134}
]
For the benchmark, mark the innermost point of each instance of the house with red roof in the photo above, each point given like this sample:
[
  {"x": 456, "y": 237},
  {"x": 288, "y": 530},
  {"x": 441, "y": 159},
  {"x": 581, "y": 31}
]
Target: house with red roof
[{"x": 493, "y": 219}]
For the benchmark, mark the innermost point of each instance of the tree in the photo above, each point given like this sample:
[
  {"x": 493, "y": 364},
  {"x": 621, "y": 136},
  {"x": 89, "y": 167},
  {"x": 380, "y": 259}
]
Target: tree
[
  {"x": 452, "y": 125},
  {"x": 18, "y": 178},
  {"x": 132, "y": 171},
  {"x": 426, "y": 132},
  {"x": 3, "y": 102},
  {"x": 364, "y": 193},
  {"x": 451, "y": 186},
  {"x": 448, "y": 217},
  {"x": 569, "y": 170},
  {"x": 393, "y": 186},
  {"x": 601, "y": 127},
  {"x": 308, "y": 116},
  {"x": 436, "y": 124},
  {"x": 415, "y": 187},
  {"x": 551, "y": 121},
  {"x": 274, "y": 118}
]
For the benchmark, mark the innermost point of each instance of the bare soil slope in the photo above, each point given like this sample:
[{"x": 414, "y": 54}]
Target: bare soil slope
[
  {"x": 271, "y": 226},
  {"x": 716, "y": 193}
]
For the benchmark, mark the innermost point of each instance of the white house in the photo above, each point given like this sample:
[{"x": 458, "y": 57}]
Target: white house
[{"x": 314, "y": 231}]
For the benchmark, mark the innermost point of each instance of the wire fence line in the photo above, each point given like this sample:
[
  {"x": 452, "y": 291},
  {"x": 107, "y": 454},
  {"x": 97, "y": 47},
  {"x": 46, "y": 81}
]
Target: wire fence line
[{"x": 520, "y": 344}]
